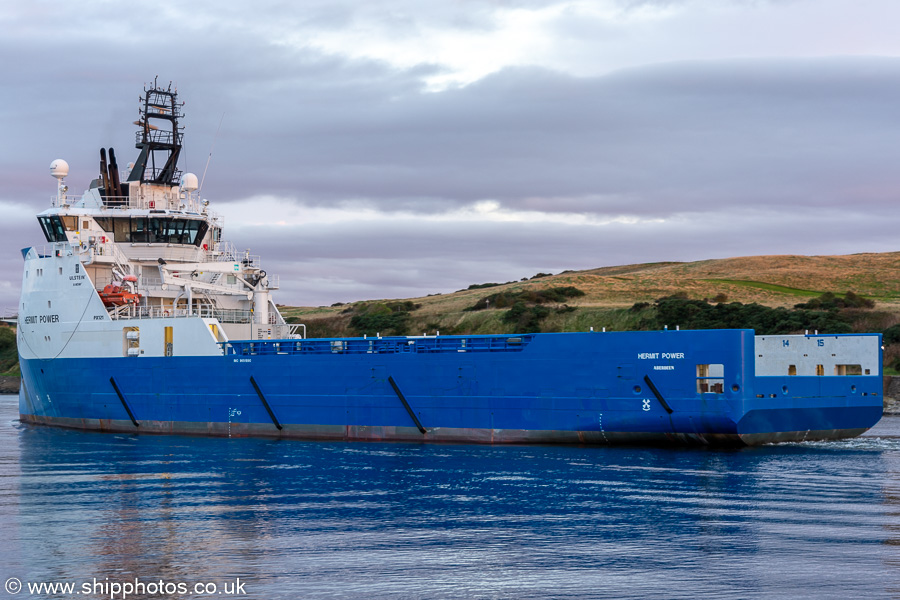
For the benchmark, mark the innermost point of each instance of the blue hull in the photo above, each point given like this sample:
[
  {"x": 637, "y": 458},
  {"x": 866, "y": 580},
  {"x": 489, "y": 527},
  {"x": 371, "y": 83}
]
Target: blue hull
[{"x": 593, "y": 388}]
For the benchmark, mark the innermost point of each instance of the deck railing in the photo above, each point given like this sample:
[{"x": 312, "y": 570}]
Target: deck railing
[
  {"x": 388, "y": 345},
  {"x": 223, "y": 315}
]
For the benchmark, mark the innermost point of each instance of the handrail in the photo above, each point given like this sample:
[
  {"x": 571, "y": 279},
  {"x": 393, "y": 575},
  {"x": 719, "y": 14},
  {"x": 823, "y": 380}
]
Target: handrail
[
  {"x": 390, "y": 345},
  {"x": 223, "y": 315}
]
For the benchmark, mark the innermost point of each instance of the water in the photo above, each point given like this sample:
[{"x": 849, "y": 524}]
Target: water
[{"x": 365, "y": 520}]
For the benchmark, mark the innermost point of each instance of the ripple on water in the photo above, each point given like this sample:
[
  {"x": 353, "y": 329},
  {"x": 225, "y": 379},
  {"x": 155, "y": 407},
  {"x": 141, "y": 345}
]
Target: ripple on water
[{"x": 332, "y": 520}]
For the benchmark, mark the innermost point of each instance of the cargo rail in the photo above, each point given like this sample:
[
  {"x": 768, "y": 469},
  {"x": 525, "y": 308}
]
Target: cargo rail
[{"x": 382, "y": 345}]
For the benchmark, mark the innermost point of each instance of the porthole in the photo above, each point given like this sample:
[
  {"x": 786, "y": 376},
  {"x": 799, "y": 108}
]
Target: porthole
[
  {"x": 735, "y": 388},
  {"x": 637, "y": 389},
  {"x": 853, "y": 388},
  {"x": 784, "y": 389}
]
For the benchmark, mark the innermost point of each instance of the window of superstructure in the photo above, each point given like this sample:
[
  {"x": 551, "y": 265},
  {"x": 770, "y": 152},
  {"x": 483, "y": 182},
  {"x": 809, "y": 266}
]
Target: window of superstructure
[
  {"x": 156, "y": 230},
  {"x": 140, "y": 230},
  {"x": 122, "y": 230},
  {"x": 45, "y": 227},
  {"x": 53, "y": 228}
]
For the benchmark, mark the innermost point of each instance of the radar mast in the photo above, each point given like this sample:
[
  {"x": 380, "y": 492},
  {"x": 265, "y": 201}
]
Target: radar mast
[{"x": 159, "y": 137}]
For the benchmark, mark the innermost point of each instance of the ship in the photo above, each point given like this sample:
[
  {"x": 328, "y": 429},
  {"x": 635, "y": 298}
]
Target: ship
[{"x": 137, "y": 316}]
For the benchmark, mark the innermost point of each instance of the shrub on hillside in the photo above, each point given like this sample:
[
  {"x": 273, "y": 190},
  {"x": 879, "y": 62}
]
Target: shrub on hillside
[
  {"x": 509, "y": 299},
  {"x": 700, "y": 314},
  {"x": 891, "y": 335},
  {"x": 526, "y": 319},
  {"x": 390, "y": 318},
  {"x": 829, "y": 301},
  {"x": 478, "y": 286}
]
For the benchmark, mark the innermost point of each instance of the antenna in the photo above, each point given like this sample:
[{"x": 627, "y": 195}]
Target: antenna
[
  {"x": 59, "y": 169},
  {"x": 209, "y": 158}
]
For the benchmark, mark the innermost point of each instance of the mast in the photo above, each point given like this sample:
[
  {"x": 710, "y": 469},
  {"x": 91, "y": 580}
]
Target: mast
[{"x": 159, "y": 137}]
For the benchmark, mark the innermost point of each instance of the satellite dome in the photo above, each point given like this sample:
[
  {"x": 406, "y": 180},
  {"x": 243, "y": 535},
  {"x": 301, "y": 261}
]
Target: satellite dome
[
  {"x": 189, "y": 182},
  {"x": 59, "y": 168}
]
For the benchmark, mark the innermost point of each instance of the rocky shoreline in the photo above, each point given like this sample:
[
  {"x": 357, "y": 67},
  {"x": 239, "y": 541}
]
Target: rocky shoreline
[
  {"x": 10, "y": 385},
  {"x": 891, "y": 395}
]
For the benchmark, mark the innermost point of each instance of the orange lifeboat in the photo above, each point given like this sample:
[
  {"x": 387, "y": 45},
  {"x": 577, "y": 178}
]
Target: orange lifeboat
[{"x": 114, "y": 295}]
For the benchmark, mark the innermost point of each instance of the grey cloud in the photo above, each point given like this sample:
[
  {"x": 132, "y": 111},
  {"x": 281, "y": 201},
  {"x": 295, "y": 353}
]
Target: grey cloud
[
  {"x": 322, "y": 130},
  {"x": 702, "y": 135},
  {"x": 741, "y": 156}
]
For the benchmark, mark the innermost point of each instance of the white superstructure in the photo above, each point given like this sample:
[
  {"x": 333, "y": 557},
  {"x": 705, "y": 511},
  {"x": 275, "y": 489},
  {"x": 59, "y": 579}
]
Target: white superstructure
[{"x": 137, "y": 266}]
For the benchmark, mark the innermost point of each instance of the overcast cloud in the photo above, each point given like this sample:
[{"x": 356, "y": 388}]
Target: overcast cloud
[{"x": 395, "y": 149}]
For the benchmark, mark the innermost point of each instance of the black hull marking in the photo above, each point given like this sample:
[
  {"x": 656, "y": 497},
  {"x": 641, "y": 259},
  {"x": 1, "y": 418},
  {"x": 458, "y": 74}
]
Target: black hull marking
[
  {"x": 112, "y": 380},
  {"x": 656, "y": 393},
  {"x": 266, "y": 404},
  {"x": 406, "y": 405}
]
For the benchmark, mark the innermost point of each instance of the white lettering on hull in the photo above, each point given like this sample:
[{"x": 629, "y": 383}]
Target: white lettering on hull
[{"x": 661, "y": 355}]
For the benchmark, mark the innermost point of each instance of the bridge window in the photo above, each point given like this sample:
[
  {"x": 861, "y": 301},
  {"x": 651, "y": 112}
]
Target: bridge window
[
  {"x": 155, "y": 230},
  {"x": 792, "y": 369},
  {"x": 53, "y": 228},
  {"x": 848, "y": 369}
]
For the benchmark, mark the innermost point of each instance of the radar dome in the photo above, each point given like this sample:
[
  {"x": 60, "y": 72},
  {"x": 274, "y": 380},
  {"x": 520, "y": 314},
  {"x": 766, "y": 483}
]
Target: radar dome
[
  {"x": 59, "y": 168},
  {"x": 189, "y": 182}
]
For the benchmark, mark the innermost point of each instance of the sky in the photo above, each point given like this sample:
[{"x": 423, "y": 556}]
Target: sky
[{"x": 398, "y": 148}]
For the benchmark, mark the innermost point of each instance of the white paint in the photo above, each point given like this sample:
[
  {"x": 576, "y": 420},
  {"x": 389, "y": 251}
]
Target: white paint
[{"x": 775, "y": 353}]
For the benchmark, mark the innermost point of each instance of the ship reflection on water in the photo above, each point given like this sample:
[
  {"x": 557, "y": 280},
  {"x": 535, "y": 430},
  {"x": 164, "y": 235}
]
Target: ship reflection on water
[{"x": 301, "y": 519}]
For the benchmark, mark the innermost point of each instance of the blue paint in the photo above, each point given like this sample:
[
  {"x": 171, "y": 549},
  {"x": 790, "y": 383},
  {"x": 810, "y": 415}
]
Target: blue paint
[{"x": 550, "y": 385}]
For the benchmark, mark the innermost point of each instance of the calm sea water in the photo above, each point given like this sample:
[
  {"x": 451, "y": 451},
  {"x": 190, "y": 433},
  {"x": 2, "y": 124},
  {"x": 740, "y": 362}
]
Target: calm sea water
[{"x": 368, "y": 520}]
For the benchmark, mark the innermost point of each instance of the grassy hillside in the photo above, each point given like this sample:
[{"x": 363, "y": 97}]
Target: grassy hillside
[{"x": 610, "y": 292}]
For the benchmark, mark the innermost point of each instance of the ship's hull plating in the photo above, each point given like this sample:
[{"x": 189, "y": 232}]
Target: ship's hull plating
[
  {"x": 446, "y": 435},
  {"x": 557, "y": 388}
]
